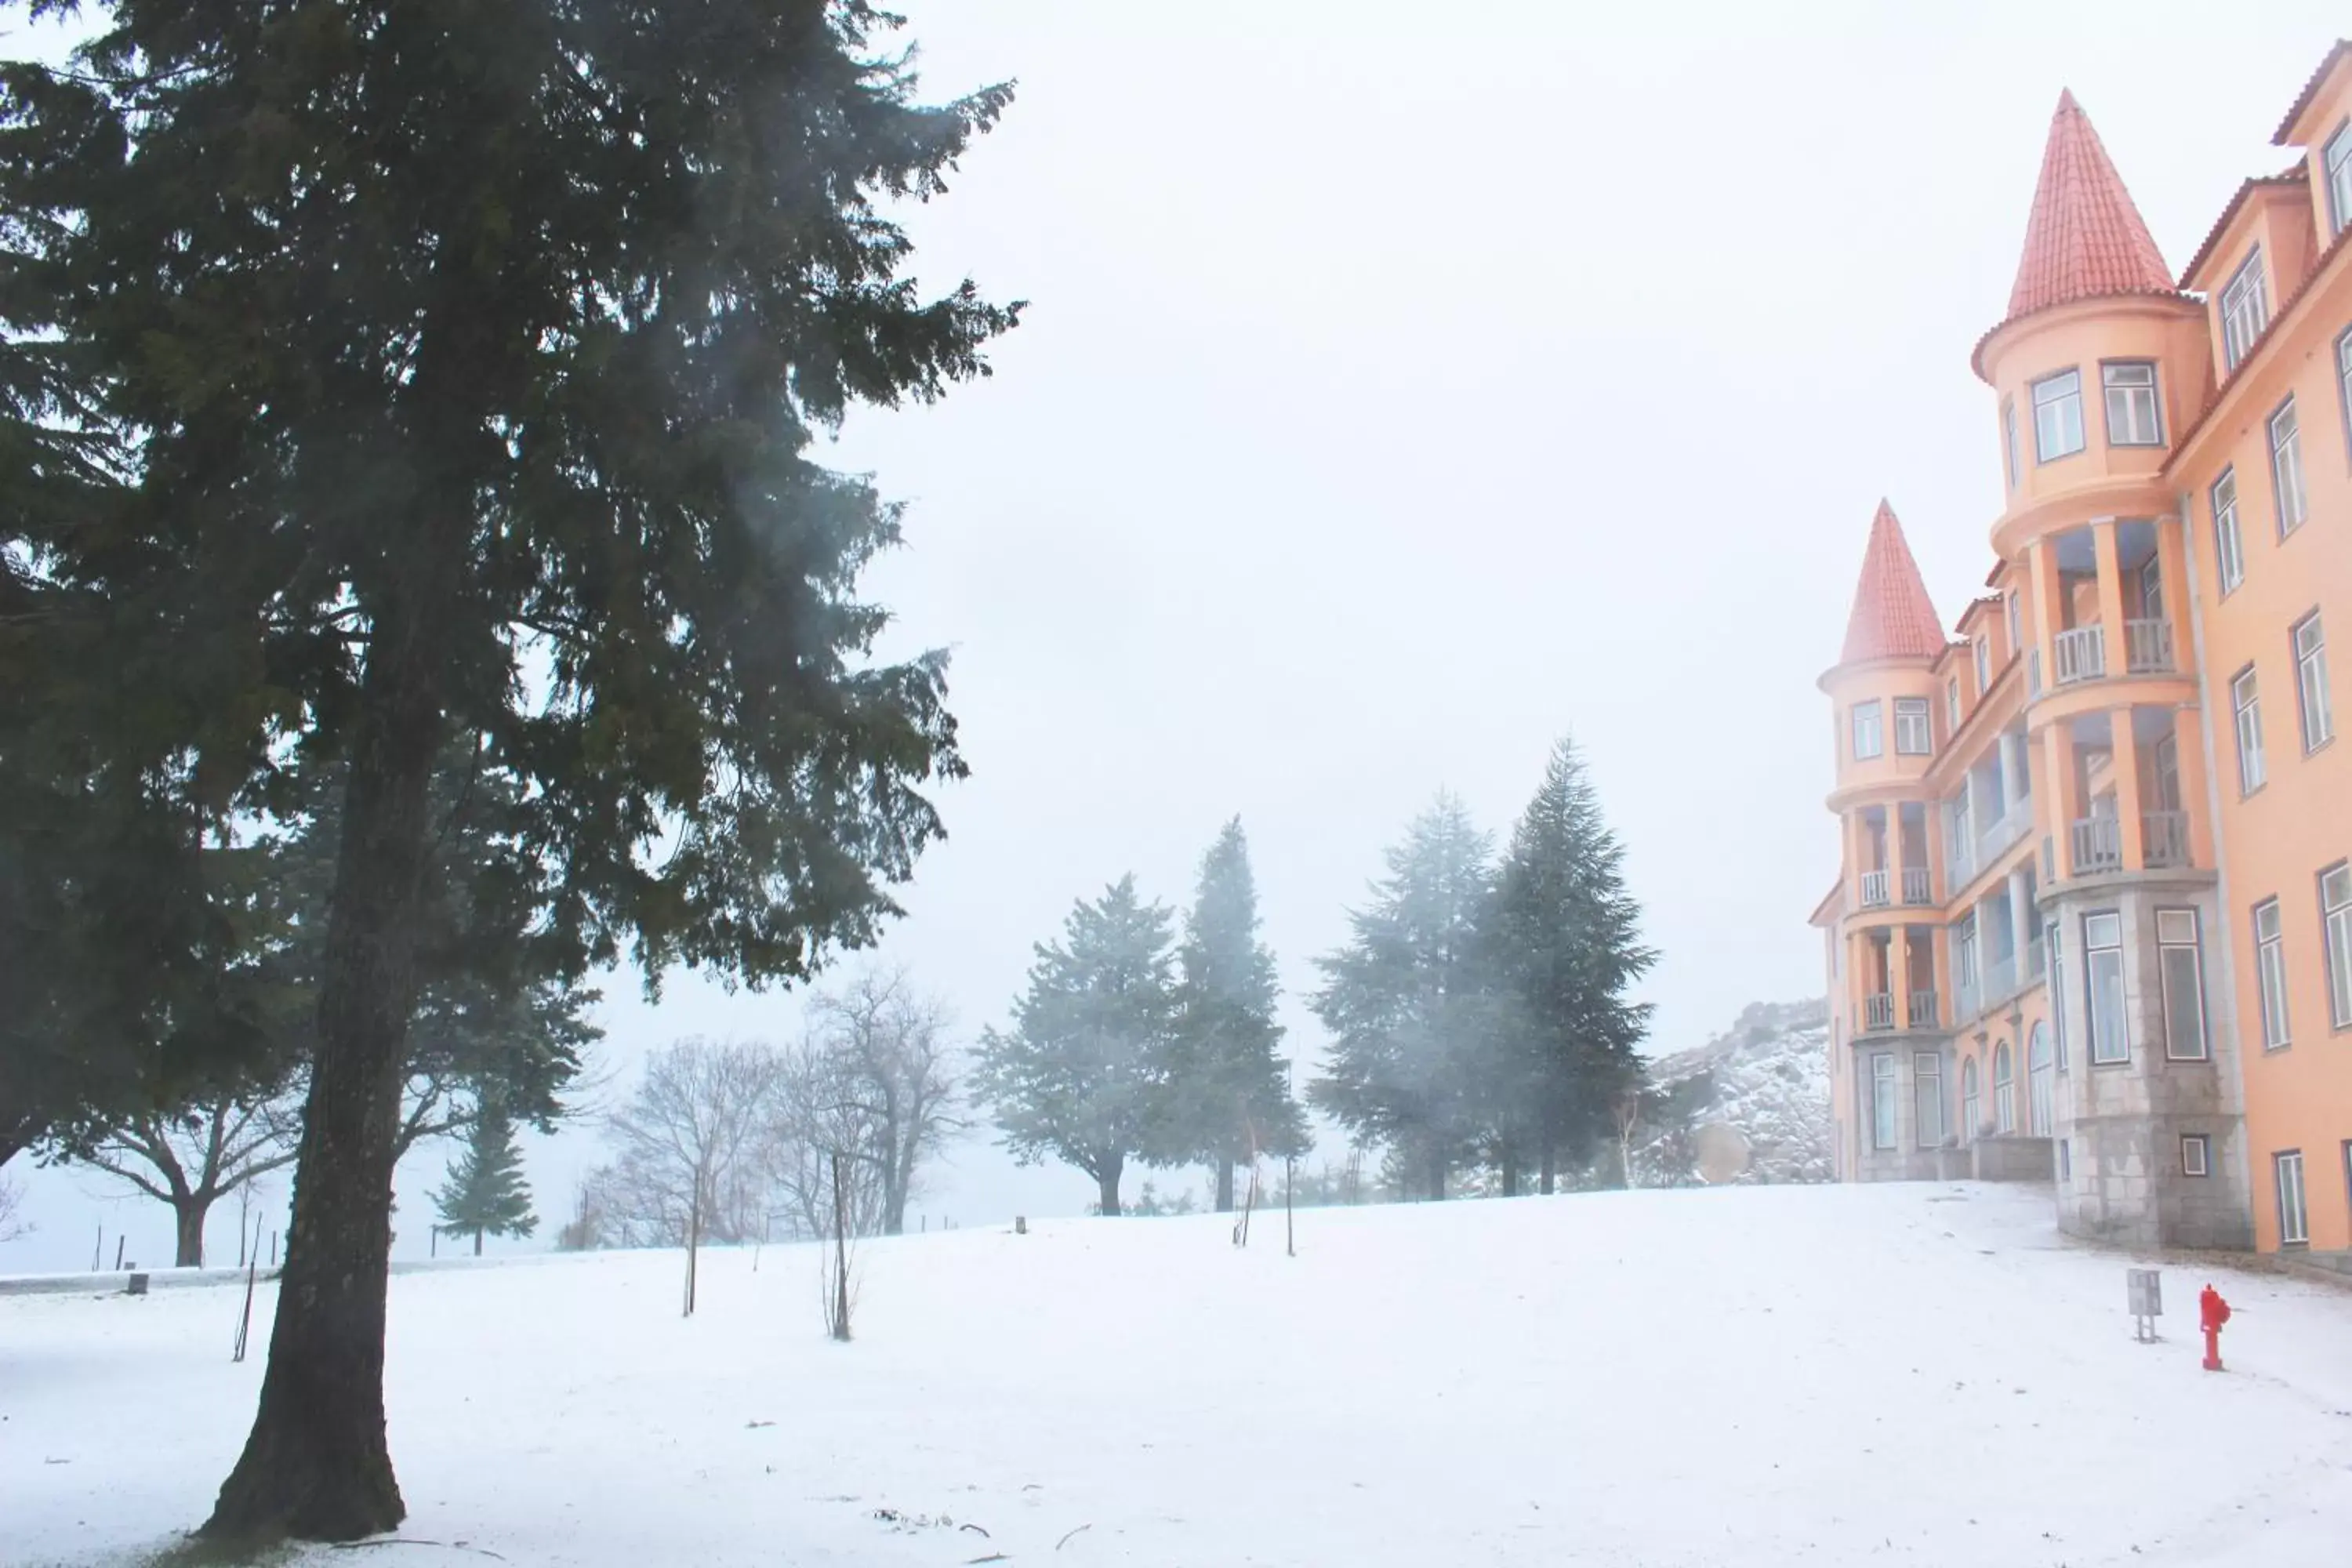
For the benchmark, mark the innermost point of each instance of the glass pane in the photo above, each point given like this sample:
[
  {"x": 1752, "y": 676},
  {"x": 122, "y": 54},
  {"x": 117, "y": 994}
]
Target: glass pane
[
  {"x": 2184, "y": 1004},
  {"x": 2110, "y": 1040}
]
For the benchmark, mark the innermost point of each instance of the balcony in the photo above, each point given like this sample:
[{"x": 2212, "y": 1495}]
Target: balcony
[
  {"x": 1995, "y": 841},
  {"x": 2082, "y": 655},
  {"x": 2147, "y": 647},
  {"x": 1874, "y": 894},
  {"x": 1878, "y": 1012},
  {"x": 1917, "y": 887},
  {"x": 2000, "y": 979},
  {"x": 1923, "y": 1010},
  {"x": 1964, "y": 1000},
  {"x": 2164, "y": 838},
  {"x": 2098, "y": 845},
  {"x": 2037, "y": 961}
]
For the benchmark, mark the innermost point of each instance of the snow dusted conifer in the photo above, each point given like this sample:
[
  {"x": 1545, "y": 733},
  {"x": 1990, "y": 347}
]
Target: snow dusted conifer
[{"x": 486, "y": 1194}]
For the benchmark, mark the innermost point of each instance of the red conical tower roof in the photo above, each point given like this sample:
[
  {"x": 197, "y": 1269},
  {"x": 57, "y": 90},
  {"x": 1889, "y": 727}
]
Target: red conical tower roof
[
  {"x": 2086, "y": 239},
  {"x": 1893, "y": 616}
]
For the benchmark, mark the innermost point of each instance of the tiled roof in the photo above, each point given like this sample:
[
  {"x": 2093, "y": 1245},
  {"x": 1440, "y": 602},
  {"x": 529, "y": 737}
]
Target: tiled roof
[
  {"x": 1893, "y": 616},
  {"x": 2293, "y": 176},
  {"x": 2086, "y": 239},
  {"x": 2310, "y": 90}
]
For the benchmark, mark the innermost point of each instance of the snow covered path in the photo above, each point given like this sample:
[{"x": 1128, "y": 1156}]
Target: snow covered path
[{"x": 1899, "y": 1374}]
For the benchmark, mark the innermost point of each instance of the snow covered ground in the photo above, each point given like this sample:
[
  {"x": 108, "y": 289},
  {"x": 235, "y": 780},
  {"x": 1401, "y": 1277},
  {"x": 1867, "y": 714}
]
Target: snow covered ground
[{"x": 1768, "y": 1375}]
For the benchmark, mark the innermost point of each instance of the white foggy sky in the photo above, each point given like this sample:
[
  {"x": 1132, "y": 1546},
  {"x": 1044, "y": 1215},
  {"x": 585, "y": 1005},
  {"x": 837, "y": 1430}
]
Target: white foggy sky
[{"x": 1395, "y": 397}]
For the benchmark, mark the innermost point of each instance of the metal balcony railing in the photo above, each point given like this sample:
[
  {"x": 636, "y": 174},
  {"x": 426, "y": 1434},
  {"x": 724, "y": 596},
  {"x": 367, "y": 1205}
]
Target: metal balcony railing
[
  {"x": 1878, "y": 1011},
  {"x": 1923, "y": 1010},
  {"x": 1874, "y": 895},
  {"x": 2082, "y": 654},
  {"x": 2148, "y": 646},
  {"x": 2098, "y": 845},
  {"x": 1917, "y": 887},
  {"x": 2164, "y": 838}
]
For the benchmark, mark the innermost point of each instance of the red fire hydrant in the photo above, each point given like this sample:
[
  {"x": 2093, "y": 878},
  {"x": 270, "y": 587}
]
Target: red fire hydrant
[{"x": 2212, "y": 1313}]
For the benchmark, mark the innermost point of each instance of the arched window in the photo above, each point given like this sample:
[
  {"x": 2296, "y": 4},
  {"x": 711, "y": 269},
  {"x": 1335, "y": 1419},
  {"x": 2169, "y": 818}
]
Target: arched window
[
  {"x": 2038, "y": 1080},
  {"x": 1972, "y": 1104},
  {"x": 2004, "y": 1090}
]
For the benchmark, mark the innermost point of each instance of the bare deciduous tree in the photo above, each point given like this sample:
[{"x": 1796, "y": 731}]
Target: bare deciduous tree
[
  {"x": 192, "y": 1159},
  {"x": 891, "y": 1042},
  {"x": 12, "y": 1198}
]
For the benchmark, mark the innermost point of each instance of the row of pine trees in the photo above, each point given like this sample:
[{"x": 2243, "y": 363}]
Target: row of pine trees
[{"x": 1478, "y": 1014}]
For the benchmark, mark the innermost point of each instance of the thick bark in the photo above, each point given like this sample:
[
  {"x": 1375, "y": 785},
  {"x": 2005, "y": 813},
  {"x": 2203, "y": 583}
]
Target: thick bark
[
  {"x": 477, "y": 1244},
  {"x": 1225, "y": 1184},
  {"x": 1437, "y": 1175},
  {"x": 188, "y": 1212},
  {"x": 1107, "y": 1184},
  {"x": 316, "y": 1466},
  {"x": 1510, "y": 1172}
]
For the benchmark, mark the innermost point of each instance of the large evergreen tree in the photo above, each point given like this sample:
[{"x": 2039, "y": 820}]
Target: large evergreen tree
[
  {"x": 1077, "y": 1078},
  {"x": 485, "y": 1194},
  {"x": 1406, "y": 1001},
  {"x": 1564, "y": 943},
  {"x": 459, "y": 363},
  {"x": 1228, "y": 1091}
]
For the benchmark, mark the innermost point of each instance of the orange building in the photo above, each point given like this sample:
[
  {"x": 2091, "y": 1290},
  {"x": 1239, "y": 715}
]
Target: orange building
[{"x": 2093, "y": 923}]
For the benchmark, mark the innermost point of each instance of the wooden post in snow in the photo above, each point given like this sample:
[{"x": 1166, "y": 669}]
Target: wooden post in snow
[{"x": 840, "y": 1253}]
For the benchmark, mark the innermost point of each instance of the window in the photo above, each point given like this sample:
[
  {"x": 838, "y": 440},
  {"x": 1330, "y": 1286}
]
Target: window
[
  {"x": 2009, "y": 437},
  {"x": 2195, "y": 1154},
  {"x": 2343, "y": 379},
  {"x": 2057, "y": 991},
  {"x": 2058, "y": 416},
  {"x": 2181, "y": 970},
  {"x": 2311, "y": 682},
  {"x": 2065, "y": 1162},
  {"x": 1952, "y": 704},
  {"x": 1971, "y": 1106},
  {"x": 2338, "y": 161},
  {"x": 2151, "y": 588},
  {"x": 2245, "y": 311},
  {"x": 1868, "y": 739},
  {"x": 2040, "y": 1091},
  {"x": 2016, "y": 623},
  {"x": 1984, "y": 664},
  {"x": 2132, "y": 416},
  {"x": 2335, "y": 920},
  {"x": 1882, "y": 1099},
  {"x": 2004, "y": 1096},
  {"x": 2270, "y": 968},
  {"x": 1912, "y": 731},
  {"x": 2103, "y": 972},
  {"x": 1927, "y": 1091},
  {"x": 2286, "y": 470},
  {"x": 2293, "y": 1227},
  {"x": 2250, "y": 730},
  {"x": 2229, "y": 554}
]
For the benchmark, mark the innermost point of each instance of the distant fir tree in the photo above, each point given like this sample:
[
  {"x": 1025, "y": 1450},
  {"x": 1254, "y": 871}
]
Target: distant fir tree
[
  {"x": 1564, "y": 944},
  {"x": 1228, "y": 1093},
  {"x": 1408, "y": 1007},
  {"x": 485, "y": 1194},
  {"x": 1077, "y": 1078}
]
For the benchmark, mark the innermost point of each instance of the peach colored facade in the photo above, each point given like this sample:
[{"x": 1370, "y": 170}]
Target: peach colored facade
[{"x": 2094, "y": 921}]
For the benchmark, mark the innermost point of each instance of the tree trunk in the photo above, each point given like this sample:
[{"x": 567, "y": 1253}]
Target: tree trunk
[
  {"x": 188, "y": 1213},
  {"x": 1437, "y": 1176},
  {"x": 1550, "y": 1173},
  {"x": 477, "y": 1244},
  {"x": 1510, "y": 1172},
  {"x": 1225, "y": 1183},
  {"x": 316, "y": 1466},
  {"x": 1108, "y": 1184}
]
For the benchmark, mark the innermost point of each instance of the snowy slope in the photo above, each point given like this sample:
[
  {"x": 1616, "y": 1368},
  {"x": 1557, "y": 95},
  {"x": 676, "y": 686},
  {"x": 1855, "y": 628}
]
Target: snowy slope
[
  {"x": 1762, "y": 1376},
  {"x": 1770, "y": 1079}
]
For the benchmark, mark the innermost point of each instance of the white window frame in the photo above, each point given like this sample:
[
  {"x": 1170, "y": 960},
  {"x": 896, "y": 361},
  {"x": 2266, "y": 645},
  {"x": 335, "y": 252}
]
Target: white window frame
[
  {"x": 1876, "y": 730},
  {"x": 2040, "y": 1083},
  {"x": 2308, "y": 641},
  {"x": 2009, "y": 438},
  {"x": 1952, "y": 702},
  {"x": 2058, "y": 414},
  {"x": 1914, "y": 727},
  {"x": 2344, "y": 381},
  {"x": 2177, "y": 933},
  {"x": 2336, "y": 169},
  {"x": 1884, "y": 1107},
  {"x": 2054, "y": 957},
  {"x": 2270, "y": 973},
  {"x": 2016, "y": 612},
  {"x": 2065, "y": 1161},
  {"x": 2245, "y": 311},
  {"x": 1971, "y": 1099},
  {"x": 2335, "y": 924},
  {"x": 2246, "y": 698},
  {"x": 2103, "y": 955},
  {"x": 1928, "y": 1097},
  {"x": 1982, "y": 647},
  {"x": 2291, "y": 499},
  {"x": 2004, "y": 1090},
  {"x": 2295, "y": 1216},
  {"x": 2229, "y": 545},
  {"x": 2195, "y": 1154},
  {"x": 2135, "y": 416}
]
